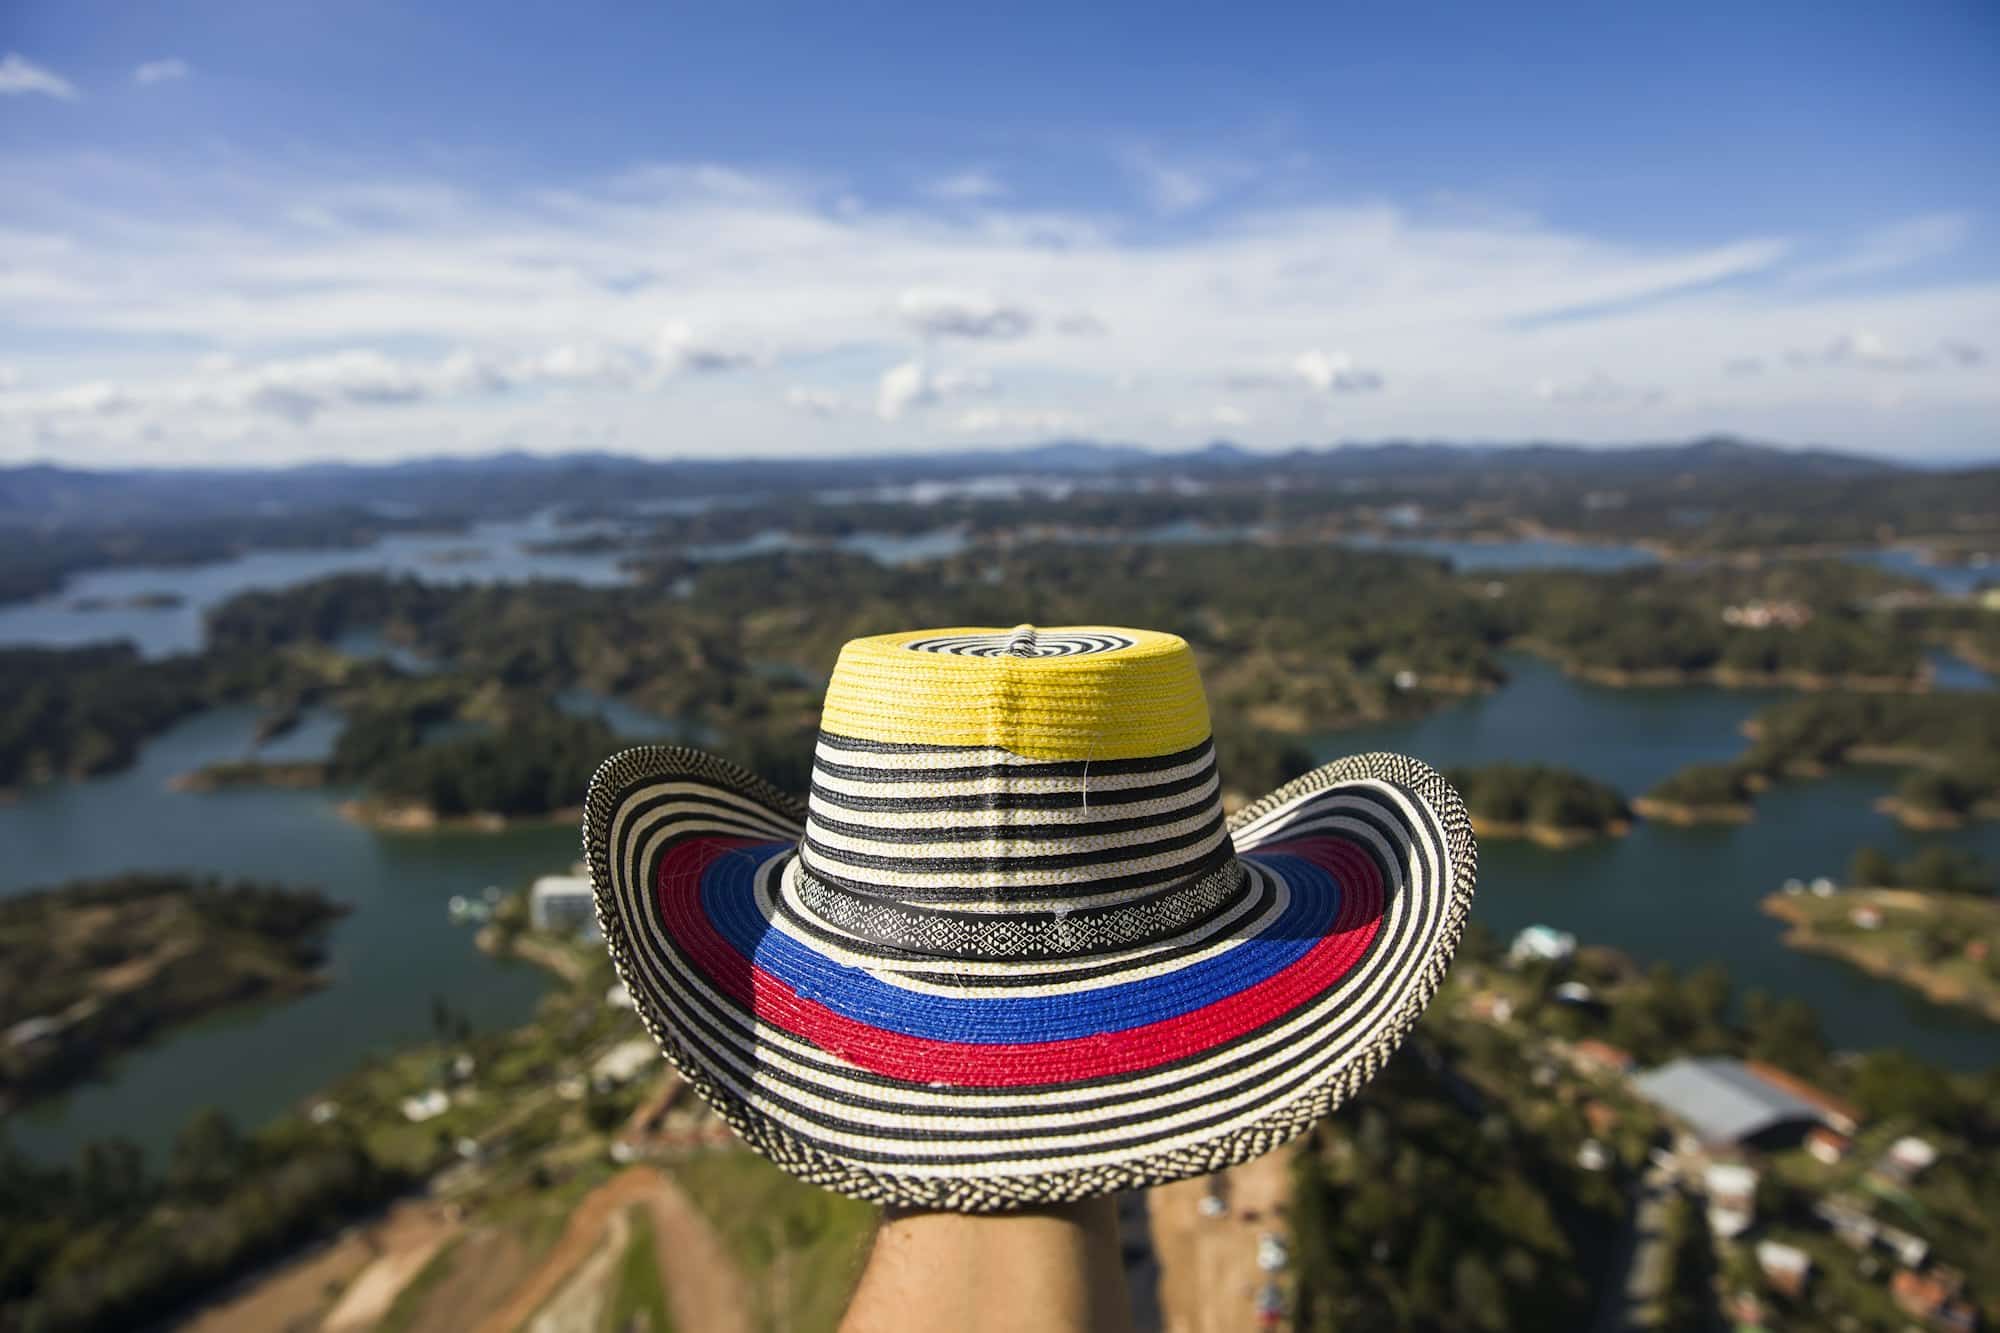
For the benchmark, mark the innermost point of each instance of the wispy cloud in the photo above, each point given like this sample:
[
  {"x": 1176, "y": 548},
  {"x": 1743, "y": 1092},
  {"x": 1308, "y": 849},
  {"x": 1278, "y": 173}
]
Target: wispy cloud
[
  {"x": 1179, "y": 184},
  {"x": 161, "y": 71},
  {"x": 20, "y": 76},
  {"x": 939, "y": 313},
  {"x": 970, "y": 186},
  {"x": 913, "y": 384},
  {"x": 706, "y": 307}
]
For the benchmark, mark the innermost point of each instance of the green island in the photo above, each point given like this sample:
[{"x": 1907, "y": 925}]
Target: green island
[
  {"x": 1948, "y": 746},
  {"x": 1931, "y": 923},
  {"x": 1795, "y": 623},
  {"x": 1702, "y": 794},
  {"x": 1555, "y": 807},
  {"x": 478, "y": 739},
  {"x": 98, "y": 966}
]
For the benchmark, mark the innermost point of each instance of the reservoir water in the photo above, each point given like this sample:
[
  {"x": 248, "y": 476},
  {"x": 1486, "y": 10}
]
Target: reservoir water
[{"x": 1687, "y": 896}]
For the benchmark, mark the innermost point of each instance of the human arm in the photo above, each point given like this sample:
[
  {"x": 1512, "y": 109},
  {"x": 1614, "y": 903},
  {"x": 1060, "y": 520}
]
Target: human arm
[{"x": 1042, "y": 1270}]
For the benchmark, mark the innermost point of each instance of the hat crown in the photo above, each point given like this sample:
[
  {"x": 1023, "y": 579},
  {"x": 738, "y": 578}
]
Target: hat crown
[{"x": 1015, "y": 793}]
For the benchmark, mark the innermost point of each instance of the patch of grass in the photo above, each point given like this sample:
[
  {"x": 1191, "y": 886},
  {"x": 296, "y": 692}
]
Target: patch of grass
[
  {"x": 800, "y": 1248},
  {"x": 638, "y": 1301},
  {"x": 410, "y": 1300}
]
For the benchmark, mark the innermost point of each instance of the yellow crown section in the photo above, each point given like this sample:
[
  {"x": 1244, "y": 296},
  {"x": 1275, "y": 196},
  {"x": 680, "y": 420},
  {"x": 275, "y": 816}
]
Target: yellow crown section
[{"x": 1100, "y": 692}]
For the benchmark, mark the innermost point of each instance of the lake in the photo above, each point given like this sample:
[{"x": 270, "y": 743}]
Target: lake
[
  {"x": 1687, "y": 896},
  {"x": 485, "y": 553}
]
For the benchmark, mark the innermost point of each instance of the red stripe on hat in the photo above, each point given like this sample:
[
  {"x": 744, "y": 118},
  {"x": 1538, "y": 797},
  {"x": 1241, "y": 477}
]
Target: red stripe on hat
[{"x": 977, "y": 1064}]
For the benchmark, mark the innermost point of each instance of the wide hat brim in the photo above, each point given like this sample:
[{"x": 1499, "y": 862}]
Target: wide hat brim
[{"x": 981, "y": 1087}]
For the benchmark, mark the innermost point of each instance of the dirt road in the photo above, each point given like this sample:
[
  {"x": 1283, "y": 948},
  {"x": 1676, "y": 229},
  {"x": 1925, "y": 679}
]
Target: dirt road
[
  {"x": 294, "y": 1298},
  {"x": 1208, "y": 1265},
  {"x": 703, "y": 1287}
]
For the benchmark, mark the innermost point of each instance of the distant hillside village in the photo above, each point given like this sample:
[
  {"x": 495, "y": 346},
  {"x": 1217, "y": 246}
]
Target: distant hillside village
[{"x": 1797, "y": 1185}]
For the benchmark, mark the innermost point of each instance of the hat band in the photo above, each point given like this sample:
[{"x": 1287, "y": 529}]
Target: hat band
[{"x": 943, "y": 932}]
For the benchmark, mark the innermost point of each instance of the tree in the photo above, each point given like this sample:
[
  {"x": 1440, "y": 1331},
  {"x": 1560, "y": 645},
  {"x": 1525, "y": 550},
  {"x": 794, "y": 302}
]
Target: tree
[
  {"x": 209, "y": 1155},
  {"x": 1871, "y": 868}
]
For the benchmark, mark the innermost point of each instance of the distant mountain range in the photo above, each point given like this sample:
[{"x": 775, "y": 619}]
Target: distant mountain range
[{"x": 43, "y": 493}]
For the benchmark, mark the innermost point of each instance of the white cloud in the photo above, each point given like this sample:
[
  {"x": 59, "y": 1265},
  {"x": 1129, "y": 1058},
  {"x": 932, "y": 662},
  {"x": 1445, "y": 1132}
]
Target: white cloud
[
  {"x": 678, "y": 348},
  {"x": 1226, "y": 416},
  {"x": 1174, "y": 186},
  {"x": 1082, "y": 324},
  {"x": 968, "y": 186},
  {"x": 817, "y": 402},
  {"x": 901, "y": 388},
  {"x": 161, "y": 71},
  {"x": 943, "y": 313},
  {"x": 1896, "y": 246},
  {"x": 20, "y": 76},
  {"x": 1334, "y": 373},
  {"x": 1019, "y": 421},
  {"x": 913, "y": 384},
  {"x": 370, "y": 316},
  {"x": 1865, "y": 349},
  {"x": 1598, "y": 389}
]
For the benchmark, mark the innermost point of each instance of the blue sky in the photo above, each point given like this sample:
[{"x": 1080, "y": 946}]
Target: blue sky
[{"x": 265, "y": 232}]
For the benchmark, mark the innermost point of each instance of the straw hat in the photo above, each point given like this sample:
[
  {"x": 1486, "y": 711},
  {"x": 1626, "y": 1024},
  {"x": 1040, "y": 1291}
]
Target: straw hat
[{"x": 1010, "y": 951}]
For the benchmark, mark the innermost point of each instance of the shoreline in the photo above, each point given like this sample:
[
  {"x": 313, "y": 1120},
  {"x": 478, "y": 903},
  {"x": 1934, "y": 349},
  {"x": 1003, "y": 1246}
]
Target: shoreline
[
  {"x": 1554, "y": 838},
  {"x": 526, "y": 946},
  {"x": 1803, "y": 934},
  {"x": 1691, "y": 816},
  {"x": 1805, "y": 682},
  {"x": 417, "y": 818}
]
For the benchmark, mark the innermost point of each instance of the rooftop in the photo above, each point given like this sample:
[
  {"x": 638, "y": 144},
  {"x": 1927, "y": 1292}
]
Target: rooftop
[{"x": 1721, "y": 1100}]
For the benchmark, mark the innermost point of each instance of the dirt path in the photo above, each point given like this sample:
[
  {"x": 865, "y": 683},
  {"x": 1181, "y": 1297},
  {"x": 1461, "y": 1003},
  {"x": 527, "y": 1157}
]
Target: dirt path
[
  {"x": 405, "y": 1251},
  {"x": 294, "y": 1299},
  {"x": 703, "y": 1287},
  {"x": 1208, "y": 1265}
]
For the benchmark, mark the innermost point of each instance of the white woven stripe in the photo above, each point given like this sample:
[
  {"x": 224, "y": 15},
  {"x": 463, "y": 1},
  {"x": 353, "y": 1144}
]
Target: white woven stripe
[
  {"x": 914, "y": 774},
  {"x": 1238, "y": 922},
  {"x": 801, "y": 1111},
  {"x": 1163, "y": 867},
  {"x": 1014, "y": 843},
  {"x": 1204, "y": 794}
]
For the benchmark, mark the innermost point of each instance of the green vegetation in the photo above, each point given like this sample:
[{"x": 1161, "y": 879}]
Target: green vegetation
[
  {"x": 535, "y": 766},
  {"x": 1538, "y": 800},
  {"x": 1944, "y": 943},
  {"x": 1948, "y": 745},
  {"x": 638, "y": 1302},
  {"x": 108, "y": 1246},
  {"x": 800, "y": 1248},
  {"x": 1421, "y": 1206},
  {"x": 1935, "y": 869},
  {"x": 1655, "y": 1015},
  {"x": 1701, "y": 793},
  {"x": 97, "y": 966},
  {"x": 84, "y": 710},
  {"x": 747, "y": 649},
  {"x": 1671, "y": 624}
]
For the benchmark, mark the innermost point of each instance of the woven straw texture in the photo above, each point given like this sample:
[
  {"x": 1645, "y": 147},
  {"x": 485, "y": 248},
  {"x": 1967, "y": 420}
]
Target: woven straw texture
[
  {"x": 988, "y": 1061},
  {"x": 1068, "y": 692}
]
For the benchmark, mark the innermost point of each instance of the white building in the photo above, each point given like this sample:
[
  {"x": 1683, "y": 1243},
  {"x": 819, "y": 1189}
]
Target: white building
[
  {"x": 564, "y": 904},
  {"x": 1544, "y": 943},
  {"x": 624, "y": 1062},
  {"x": 1732, "y": 1198}
]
